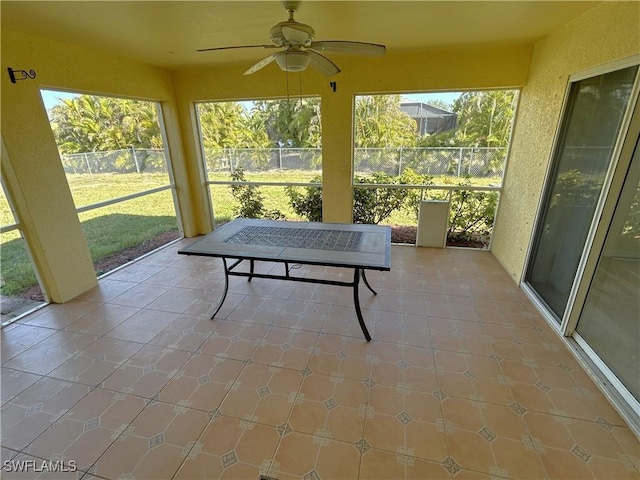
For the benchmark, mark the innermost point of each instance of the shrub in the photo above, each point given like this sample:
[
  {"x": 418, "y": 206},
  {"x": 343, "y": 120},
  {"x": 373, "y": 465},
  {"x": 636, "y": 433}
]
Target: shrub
[
  {"x": 308, "y": 204},
  {"x": 370, "y": 205},
  {"x": 414, "y": 195},
  {"x": 373, "y": 205},
  {"x": 471, "y": 214},
  {"x": 250, "y": 199}
]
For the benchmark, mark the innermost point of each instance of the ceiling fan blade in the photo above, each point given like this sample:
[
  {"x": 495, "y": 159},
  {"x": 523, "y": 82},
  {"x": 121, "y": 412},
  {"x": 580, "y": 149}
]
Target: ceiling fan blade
[
  {"x": 261, "y": 64},
  {"x": 356, "y": 48},
  {"x": 295, "y": 36},
  {"x": 322, "y": 64},
  {"x": 239, "y": 46}
]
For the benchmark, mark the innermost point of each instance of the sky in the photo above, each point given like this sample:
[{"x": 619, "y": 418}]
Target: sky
[{"x": 52, "y": 98}]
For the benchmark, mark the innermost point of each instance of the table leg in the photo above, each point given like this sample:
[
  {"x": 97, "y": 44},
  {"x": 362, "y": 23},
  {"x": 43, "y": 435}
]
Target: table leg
[
  {"x": 356, "y": 301},
  {"x": 364, "y": 277},
  {"x": 226, "y": 287},
  {"x": 250, "y": 270}
]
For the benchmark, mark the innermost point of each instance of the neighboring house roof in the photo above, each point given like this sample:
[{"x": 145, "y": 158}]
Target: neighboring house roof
[
  {"x": 422, "y": 110},
  {"x": 430, "y": 119}
]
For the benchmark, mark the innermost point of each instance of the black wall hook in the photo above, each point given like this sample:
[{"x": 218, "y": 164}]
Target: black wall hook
[
  {"x": 23, "y": 74},
  {"x": 333, "y": 85}
]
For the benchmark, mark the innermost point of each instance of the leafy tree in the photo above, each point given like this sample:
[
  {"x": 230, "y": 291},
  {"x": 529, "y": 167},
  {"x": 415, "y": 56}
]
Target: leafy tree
[
  {"x": 440, "y": 104},
  {"x": 225, "y": 125},
  {"x": 90, "y": 123},
  {"x": 379, "y": 123},
  {"x": 293, "y": 123},
  {"x": 484, "y": 118}
]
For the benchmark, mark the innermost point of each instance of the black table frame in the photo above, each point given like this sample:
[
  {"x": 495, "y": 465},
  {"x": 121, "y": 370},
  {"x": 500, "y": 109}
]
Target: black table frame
[{"x": 358, "y": 272}]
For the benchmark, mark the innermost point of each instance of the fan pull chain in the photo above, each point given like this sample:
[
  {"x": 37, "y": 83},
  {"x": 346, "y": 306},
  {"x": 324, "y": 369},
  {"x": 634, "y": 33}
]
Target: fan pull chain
[
  {"x": 287, "y": 77},
  {"x": 300, "y": 90}
]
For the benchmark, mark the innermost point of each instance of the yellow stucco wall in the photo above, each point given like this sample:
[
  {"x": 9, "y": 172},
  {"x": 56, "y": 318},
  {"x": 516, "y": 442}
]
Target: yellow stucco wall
[
  {"x": 606, "y": 33},
  {"x": 478, "y": 67},
  {"x": 32, "y": 170}
]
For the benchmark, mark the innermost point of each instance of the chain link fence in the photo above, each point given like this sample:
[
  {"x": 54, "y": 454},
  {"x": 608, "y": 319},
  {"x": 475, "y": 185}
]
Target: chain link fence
[
  {"x": 264, "y": 159},
  {"x": 457, "y": 162},
  {"x": 452, "y": 161},
  {"x": 139, "y": 160}
]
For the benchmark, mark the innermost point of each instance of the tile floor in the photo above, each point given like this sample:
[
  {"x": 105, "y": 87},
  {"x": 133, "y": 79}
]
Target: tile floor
[{"x": 463, "y": 379}]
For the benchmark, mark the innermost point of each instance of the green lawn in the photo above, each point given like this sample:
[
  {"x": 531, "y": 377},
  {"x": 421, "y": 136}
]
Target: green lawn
[
  {"x": 111, "y": 229},
  {"x": 108, "y": 230}
]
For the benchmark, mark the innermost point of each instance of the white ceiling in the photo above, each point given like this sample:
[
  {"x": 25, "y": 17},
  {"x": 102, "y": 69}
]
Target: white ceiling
[{"x": 168, "y": 33}]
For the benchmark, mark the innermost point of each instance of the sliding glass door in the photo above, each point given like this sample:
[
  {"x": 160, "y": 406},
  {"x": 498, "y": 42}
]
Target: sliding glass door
[
  {"x": 610, "y": 319},
  {"x": 594, "y": 114}
]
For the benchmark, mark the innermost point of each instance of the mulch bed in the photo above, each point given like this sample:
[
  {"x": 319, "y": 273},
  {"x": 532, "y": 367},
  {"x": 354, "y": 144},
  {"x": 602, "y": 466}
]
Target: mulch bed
[{"x": 407, "y": 234}]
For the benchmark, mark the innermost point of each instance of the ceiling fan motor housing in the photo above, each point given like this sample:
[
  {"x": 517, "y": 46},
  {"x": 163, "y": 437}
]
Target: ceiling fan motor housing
[{"x": 279, "y": 39}]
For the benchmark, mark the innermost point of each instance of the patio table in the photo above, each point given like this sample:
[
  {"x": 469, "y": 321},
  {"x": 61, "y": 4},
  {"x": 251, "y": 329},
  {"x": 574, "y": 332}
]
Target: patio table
[{"x": 351, "y": 246}]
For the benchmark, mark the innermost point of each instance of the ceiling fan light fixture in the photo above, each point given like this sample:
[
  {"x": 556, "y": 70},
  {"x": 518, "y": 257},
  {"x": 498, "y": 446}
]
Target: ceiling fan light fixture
[{"x": 293, "y": 61}]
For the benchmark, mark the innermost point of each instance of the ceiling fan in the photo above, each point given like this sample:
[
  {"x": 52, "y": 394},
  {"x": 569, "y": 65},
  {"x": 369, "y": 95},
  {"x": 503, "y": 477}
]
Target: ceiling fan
[{"x": 298, "y": 50}]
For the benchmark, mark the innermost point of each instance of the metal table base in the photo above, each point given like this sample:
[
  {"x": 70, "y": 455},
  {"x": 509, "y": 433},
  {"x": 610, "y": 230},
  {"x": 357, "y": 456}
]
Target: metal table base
[{"x": 357, "y": 273}]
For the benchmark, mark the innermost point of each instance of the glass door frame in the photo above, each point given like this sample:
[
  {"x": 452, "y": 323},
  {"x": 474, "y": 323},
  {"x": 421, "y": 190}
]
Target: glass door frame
[
  {"x": 587, "y": 263},
  {"x": 626, "y": 143}
]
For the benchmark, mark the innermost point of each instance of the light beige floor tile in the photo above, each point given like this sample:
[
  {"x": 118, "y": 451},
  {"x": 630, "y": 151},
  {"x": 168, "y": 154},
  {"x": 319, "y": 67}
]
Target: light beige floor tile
[
  {"x": 169, "y": 276},
  {"x": 470, "y": 376},
  {"x": 403, "y": 365},
  {"x": 139, "y": 296},
  {"x": 262, "y": 394},
  {"x": 20, "y": 337},
  {"x": 34, "y": 410},
  {"x": 96, "y": 362},
  {"x": 342, "y": 320},
  {"x": 307, "y": 456},
  {"x": 463, "y": 378},
  {"x": 407, "y": 422},
  {"x": 187, "y": 332},
  {"x": 378, "y": 464},
  {"x": 147, "y": 371},
  {"x": 154, "y": 445},
  {"x": 349, "y": 357},
  {"x": 301, "y": 314},
  {"x": 50, "y": 353},
  {"x": 102, "y": 319},
  {"x": 143, "y": 326},
  {"x": 202, "y": 383},
  {"x": 61, "y": 315},
  {"x": 254, "y": 309},
  {"x": 232, "y": 449},
  {"x": 87, "y": 430},
  {"x": 14, "y": 382},
  {"x": 234, "y": 340},
  {"x": 106, "y": 290},
  {"x": 137, "y": 272},
  {"x": 176, "y": 300},
  {"x": 331, "y": 407},
  {"x": 402, "y": 328},
  {"x": 284, "y": 347}
]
